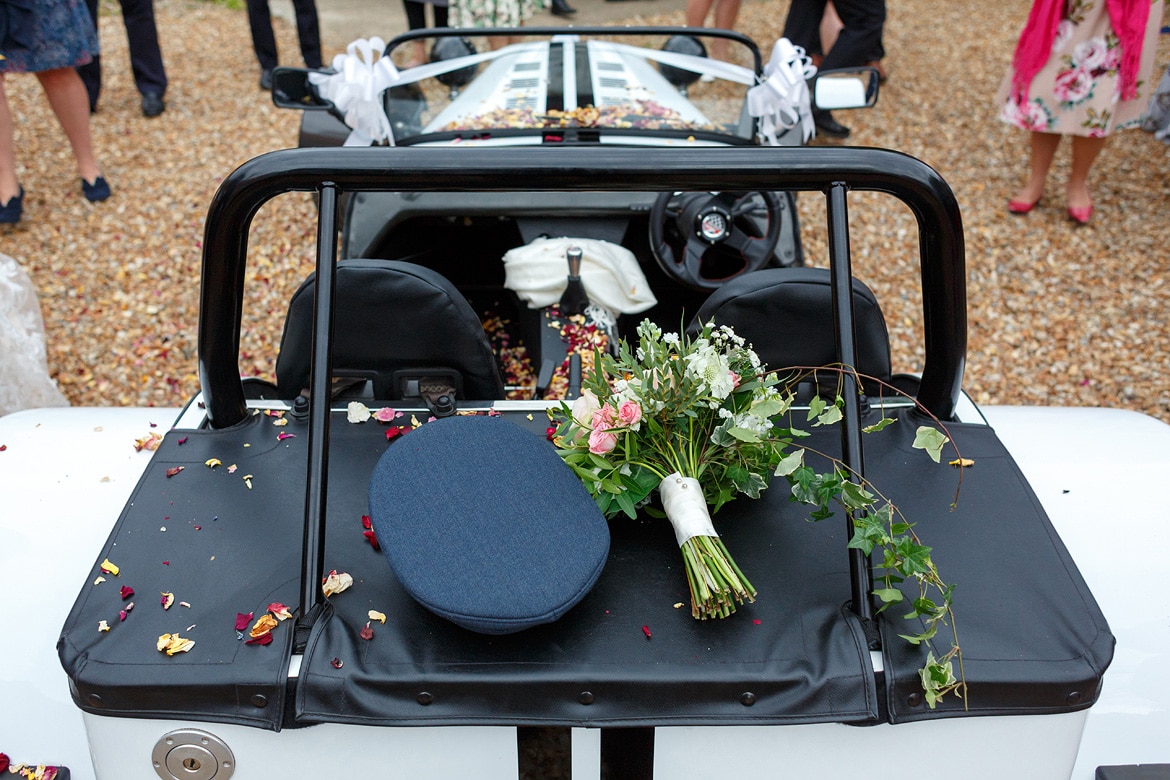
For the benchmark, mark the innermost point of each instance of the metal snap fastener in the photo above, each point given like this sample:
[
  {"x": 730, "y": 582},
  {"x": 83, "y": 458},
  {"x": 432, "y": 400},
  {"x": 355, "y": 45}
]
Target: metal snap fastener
[
  {"x": 914, "y": 699},
  {"x": 259, "y": 700},
  {"x": 1073, "y": 697},
  {"x": 586, "y": 697},
  {"x": 94, "y": 699},
  {"x": 424, "y": 698},
  {"x": 747, "y": 699}
]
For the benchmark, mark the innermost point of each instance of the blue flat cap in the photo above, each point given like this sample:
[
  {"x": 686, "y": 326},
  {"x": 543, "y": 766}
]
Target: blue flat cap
[{"x": 485, "y": 525}]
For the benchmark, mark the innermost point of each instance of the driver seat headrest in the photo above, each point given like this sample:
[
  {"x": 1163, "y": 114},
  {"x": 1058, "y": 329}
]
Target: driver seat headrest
[
  {"x": 786, "y": 314},
  {"x": 390, "y": 317}
]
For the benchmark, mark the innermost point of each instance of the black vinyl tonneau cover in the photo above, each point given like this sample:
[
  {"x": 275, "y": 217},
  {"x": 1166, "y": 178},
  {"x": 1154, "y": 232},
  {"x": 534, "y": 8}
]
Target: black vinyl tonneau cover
[{"x": 1034, "y": 640}]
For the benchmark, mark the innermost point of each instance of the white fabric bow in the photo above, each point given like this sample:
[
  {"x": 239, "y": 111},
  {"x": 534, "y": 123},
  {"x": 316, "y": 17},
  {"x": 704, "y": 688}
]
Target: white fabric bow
[
  {"x": 781, "y": 99},
  {"x": 362, "y": 74}
]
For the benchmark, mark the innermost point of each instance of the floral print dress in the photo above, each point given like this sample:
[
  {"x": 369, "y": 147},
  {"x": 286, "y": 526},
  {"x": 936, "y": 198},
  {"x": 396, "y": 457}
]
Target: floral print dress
[
  {"x": 492, "y": 13},
  {"x": 1077, "y": 90}
]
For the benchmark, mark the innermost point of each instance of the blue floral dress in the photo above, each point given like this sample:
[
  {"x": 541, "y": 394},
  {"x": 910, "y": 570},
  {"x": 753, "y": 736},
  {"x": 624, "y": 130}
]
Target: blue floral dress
[
  {"x": 1076, "y": 92},
  {"x": 492, "y": 13},
  {"x": 62, "y": 36}
]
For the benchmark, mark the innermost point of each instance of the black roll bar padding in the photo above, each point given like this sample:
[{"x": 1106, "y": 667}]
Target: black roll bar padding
[
  {"x": 333, "y": 171},
  {"x": 320, "y": 371},
  {"x": 526, "y": 169},
  {"x": 860, "y": 567},
  {"x": 583, "y": 30}
]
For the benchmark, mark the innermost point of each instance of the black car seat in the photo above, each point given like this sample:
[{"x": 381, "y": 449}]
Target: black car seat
[
  {"x": 395, "y": 324},
  {"x": 786, "y": 314}
]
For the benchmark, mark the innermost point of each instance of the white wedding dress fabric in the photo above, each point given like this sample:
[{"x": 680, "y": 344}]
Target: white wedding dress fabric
[
  {"x": 538, "y": 274},
  {"x": 24, "y": 369}
]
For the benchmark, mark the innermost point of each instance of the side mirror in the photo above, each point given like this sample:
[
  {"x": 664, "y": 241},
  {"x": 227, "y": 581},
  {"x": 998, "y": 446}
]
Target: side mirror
[
  {"x": 845, "y": 88},
  {"x": 291, "y": 89}
]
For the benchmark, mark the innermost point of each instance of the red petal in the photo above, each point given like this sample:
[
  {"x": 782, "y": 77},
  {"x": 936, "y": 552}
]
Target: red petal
[
  {"x": 182, "y": 440},
  {"x": 3, "y": 761},
  {"x": 126, "y": 592},
  {"x": 372, "y": 539},
  {"x": 366, "y": 523},
  {"x": 646, "y": 631},
  {"x": 263, "y": 639},
  {"x": 367, "y": 633},
  {"x": 757, "y": 621},
  {"x": 121, "y": 615},
  {"x": 174, "y": 471},
  {"x": 393, "y": 431},
  {"x": 282, "y": 436},
  {"x": 242, "y": 621}
]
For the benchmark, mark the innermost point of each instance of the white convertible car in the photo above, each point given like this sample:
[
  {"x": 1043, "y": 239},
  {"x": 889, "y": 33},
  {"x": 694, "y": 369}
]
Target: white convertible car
[{"x": 139, "y": 548}]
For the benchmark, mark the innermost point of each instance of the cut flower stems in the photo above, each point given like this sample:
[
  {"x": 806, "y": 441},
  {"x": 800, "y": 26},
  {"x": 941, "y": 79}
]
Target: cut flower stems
[{"x": 699, "y": 419}]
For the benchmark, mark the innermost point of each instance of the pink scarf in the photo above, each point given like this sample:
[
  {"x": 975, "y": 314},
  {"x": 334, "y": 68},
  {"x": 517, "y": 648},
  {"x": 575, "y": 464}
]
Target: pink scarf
[{"x": 1126, "y": 17}]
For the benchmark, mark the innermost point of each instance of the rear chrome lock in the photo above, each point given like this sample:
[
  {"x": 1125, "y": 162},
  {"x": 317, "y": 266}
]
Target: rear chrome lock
[{"x": 191, "y": 754}]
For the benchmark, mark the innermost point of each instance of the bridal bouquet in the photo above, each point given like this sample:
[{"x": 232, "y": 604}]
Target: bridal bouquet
[{"x": 696, "y": 419}]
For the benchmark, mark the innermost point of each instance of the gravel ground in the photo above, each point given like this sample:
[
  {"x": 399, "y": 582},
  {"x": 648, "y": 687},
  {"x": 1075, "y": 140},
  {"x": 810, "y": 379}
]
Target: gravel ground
[{"x": 1059, "y": 315}]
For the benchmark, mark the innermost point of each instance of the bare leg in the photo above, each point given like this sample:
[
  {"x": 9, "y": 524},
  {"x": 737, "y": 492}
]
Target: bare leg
[
  {"x": 9, "y": 187},
  {"x": 696, "y": 13},
  {"x": 726, "y": 12},
  {"x": 1043, "y": 150},
  {"x": 831, "y": 26},
  {"x": 1084, "y": 154},
  {"x": 69, "y": 102}
]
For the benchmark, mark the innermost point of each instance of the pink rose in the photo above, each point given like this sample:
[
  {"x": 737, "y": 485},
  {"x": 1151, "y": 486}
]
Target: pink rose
[
  {"x": 1073, "y": 86},
  {"x": 735, "y": 379},
  {"x": 630, "y": 414},
  {"x": 603, "y": 418},
  {"x": 601, "y": 441}
]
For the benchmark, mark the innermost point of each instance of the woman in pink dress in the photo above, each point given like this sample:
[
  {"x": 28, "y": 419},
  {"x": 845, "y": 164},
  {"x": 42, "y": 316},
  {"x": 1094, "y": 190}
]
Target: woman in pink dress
[{"x": 1081, "y": 68}]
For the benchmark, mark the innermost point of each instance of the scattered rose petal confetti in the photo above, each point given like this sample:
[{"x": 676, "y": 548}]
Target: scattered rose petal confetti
[
  {"x": 393, "y": 431},
  {"x": 262, "y": 626},
  {"x": 212, "y": 463},
  {"x": 414, "y": 422},
  {"x": 108, "y": 568},
  {"x": 357, "y": 412},
  {"x": 121, "y": 615},
  {"x": 279, "y": 611},
  {"x": 757, "y": 621},
  {"x": 262, "y": 640},
  {"x": 149, "y": 442},
  {"x": 367, "y": 633},
  {"x": 103, "y": 626},
  {"x": 372, "y": 538},
  {"x": 278, "y": 413},
  {"x": 232, "y": 469},
  {"x": 173, "y": 471},
  {"x": 4, "y": 761},
  {"x": 185, "y": 604},
  {"x": 243, "y": 620},
  {"x": 167, "y": 599},
  {"x": 646, "y": 631},
  {"x": 283, "y": 421},
  {"x": 336, "y": 583},
  {"x": 337, "y": 663},
  {"x": 166, "y": 563},
  {"x": 126, "y": 592},
  {"x": 961, "y": 463},
  {"x": 172, "y": 644},
  {"x": 678, "y": 605},
  {"x": 385, "y": 414},
  {"x": 3, "y": 447},
  {"x": 248, "y": 481},
  {"x": 374, "y": 614},
  {"x": 282, "y": 436},
  {"x": 128, "y": 607},
  {"x": 99, "y": 580},
  {"x": 182, "y": 440}
]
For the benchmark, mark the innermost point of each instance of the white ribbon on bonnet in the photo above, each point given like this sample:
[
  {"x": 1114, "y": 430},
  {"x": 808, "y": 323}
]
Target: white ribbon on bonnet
[
  {"x": 362, "y": 75},
  {"x": 781, "y": 100}
]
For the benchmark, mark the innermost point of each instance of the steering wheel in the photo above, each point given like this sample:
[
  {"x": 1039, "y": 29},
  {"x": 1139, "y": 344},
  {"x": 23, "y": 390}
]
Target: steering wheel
[{"x": 703, "y": 239}]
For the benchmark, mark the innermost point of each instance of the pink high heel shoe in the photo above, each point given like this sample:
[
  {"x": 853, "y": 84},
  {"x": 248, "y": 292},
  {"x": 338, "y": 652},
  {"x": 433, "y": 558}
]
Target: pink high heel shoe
[
  {"x": 1022, "y": 206},
  {"x": 1081, "y": 215}
]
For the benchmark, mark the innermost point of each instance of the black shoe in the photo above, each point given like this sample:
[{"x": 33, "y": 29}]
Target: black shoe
[
  {"x": 829, "y": 127},
  {"x": 562, "y": 8},
  {"x": 152, "y": 104},
  {"x": 266, "y": 79},
  {"x": 10, "y": 212},
  {"x": 98, "y": 191}
]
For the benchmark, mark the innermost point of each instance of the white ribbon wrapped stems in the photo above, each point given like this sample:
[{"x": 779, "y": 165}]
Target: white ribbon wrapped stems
[
  {"x": 362, "y": 74},
  {"x": 781, "y": 100},
  {"x": 685, "y": 507}
]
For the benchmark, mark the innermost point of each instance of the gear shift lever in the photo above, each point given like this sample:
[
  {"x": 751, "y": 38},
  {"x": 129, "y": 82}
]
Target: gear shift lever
[{"x": 574, "y": 300}]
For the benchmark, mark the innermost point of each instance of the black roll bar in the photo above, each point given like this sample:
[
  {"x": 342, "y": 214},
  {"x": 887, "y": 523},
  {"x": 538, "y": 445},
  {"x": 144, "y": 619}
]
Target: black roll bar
[{"x": 389, "y": 169}]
